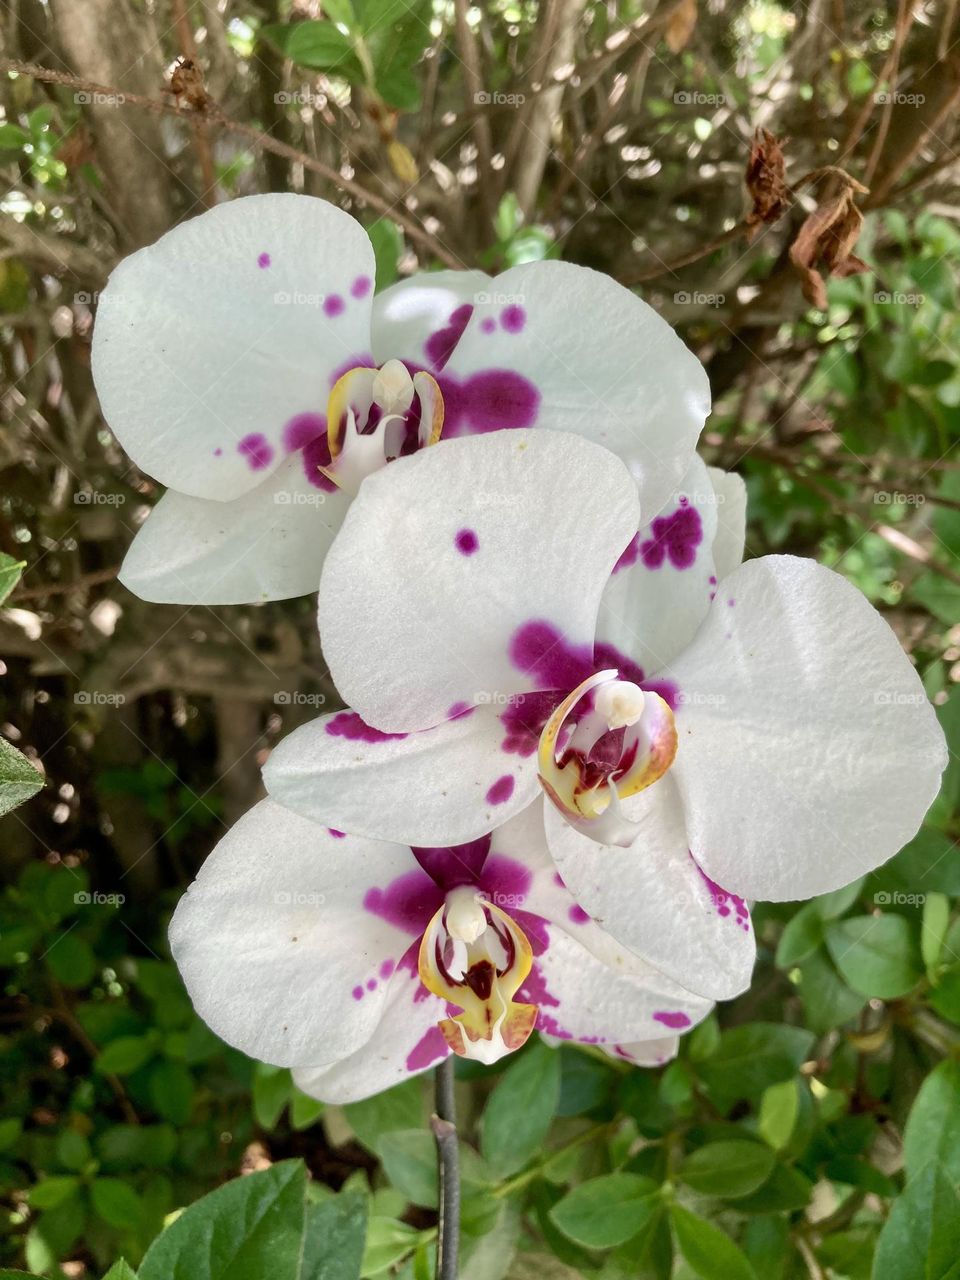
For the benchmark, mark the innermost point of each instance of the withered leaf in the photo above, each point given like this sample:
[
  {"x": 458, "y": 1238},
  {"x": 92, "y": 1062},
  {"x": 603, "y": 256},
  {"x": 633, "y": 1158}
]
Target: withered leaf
[
  {"x": 680, "y": 26},
  {"x": 824, "y": 244},
  {"x": 766, "y": 182},
  {"x": 186, "y": 82}
]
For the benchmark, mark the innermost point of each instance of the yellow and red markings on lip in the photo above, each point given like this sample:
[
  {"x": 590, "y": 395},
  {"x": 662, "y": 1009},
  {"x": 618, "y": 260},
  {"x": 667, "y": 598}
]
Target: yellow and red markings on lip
[
  {"x": 491, "y": 1024},
  {"x": 652, "y": 741}
]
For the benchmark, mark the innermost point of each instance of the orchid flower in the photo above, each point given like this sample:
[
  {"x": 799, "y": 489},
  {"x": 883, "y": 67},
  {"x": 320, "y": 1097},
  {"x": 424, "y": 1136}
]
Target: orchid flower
[
  {"x": 243, "y": 361},
  {"x": 707, "y": 732},
  {"x": 357, "y": 963}
]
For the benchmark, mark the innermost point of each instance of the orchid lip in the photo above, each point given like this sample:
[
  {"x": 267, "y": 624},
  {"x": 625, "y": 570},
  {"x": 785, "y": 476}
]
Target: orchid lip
[
  {"x": 607, "y": 740},
  {"x": 476, "y": 957},
  {"x": 377, "y": 415}
]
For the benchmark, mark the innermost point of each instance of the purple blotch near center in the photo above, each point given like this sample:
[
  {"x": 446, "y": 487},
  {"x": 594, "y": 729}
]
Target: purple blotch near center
[
  {"x": 347, "y": 724},
  {"x": 629, "y": 555},
  {"x": 675, "y": 538},
  {"x": 439, "y": 346},
  {"x": 467, "y": 542},
  {"x": 675, "y": 1020},
  {"x": 263, "y": 261},
  {"x": 257, "y": 450},
  {"x": 502, "y": 790}
]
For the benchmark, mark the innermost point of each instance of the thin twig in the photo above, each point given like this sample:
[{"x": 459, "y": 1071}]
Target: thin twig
[
  {"x": 216, "y": 118},
  {"x": 444, "y": 1129}
]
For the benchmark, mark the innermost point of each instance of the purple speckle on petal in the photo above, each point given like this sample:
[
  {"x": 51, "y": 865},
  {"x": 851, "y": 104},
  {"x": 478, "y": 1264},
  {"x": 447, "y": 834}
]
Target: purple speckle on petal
[
  {"x": 361, "y": 287},
  {"x": 712, "y": 580},
  {"x": 337, "y": 835},
  {"x": 731, "y": 603},
  {"x": 674, "y": 537},
  {"x": 724, "y": 901},
  {"x": 333, "y": 304},
  {"x": 578, "y": 915},
  {"x": 218, "y": 453},
  {"x": 358, "y": 993},
  {"x": 502, "y": 790},
  {"x": 371, "y": 984},
  {"x": 430, "y": 1048},
  {"x": 386, "y": 969},
  {"x": 676, "y": 1021},
  {"x": 488, "y": 324},
  {"x": 439, "y": 346},
  {"x": 460, "y": 709},
  {"x": 513, "y": 319},
  {"x": 467, "y": 542},
  {"x": 263, "y": 261},
  {"x": 257, "y": 450},
  {"x": 347, "y": 724},
  {"x": 629, "y": 554}
]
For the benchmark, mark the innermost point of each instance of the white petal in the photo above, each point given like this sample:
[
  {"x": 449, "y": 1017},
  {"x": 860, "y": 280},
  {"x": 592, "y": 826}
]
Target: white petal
[
  {"x": 647, "y": 1053},
  {"x": 731, "y": 520},
  {"x": 268, "y": 544},
  {"x": 808, "y": 751},
  {"x": 420, "y": 319},
  {"x": 440, "y": 786},
  {"x": 446, "y": 560},
  {"x": 279, "y": 954},
  {"x": 405, "y": 1042},
  {"x": 211, "y": 344},
  {"x": 654, "y": 900},
  {"x": 581, "y": 998},
  {"x": 661, "y": 590},
  {"x": 597, "y": 360}
]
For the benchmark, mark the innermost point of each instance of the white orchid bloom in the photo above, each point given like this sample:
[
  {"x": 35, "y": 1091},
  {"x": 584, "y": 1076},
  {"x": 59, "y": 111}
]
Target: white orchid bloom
[
  {"x": 243, "y": 361},
  {"x": 358, "y": 963},
  {"x": 706, "y": 733}
]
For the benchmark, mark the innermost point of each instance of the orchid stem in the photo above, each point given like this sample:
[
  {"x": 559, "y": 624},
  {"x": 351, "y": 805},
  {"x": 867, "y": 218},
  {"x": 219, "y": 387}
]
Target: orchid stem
[{"x": 444, "y": 1127}]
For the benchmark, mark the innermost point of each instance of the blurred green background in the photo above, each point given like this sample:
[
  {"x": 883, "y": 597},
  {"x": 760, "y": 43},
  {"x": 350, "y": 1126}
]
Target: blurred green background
[{"x": 810, "y": 1128}]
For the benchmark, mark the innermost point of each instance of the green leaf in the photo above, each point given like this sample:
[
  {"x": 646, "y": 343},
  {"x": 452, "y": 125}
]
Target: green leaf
[
  {"x": 10, "y": 569},
  {"x": 171, "y": 1091},
  {"x": 340, "y": 11},
  {"x": 334, "y": 1238},
  {"x": 71, "y": 960},
  {"x": 933, "y": 928},
  {"x": 779, "y": 1108},
  {"x": 875, "y": 954},
  {"x": 727, "y": 1169},
  {"x": 316, "y": 44},
  {"x": 12, "y": 137},
  {"x": 387, "y": 240},
  {"x": 271, "y": 1092},
  {"x": 387, "y": 1242},
  {"x": 606, "y": 1211},
  {"x": 921, "y": 1237},
  {"x": 73, "y": 1150},
  {"x": 801, "y": 937},
  {"x": 53, "y": 1191},
  {"x": 827, "y": 1000},
  {"x": 121, "y": 1270},
  {"x": 116, "y": 1203},
  {"x": 124, "y": 1055},
  {"x": 832, "y": 905},
  {"x": 409, "y": 1158},
  {"x": 304, "y": 1110},
  {"x": 19, "y": 780},
  {"x": 932, "y": 1130},
  {"x": 518, "y": 1114},
  {"x": 396, "y": 42},
  {"x": 707, "y": 1250},
  {"x": 127, "y": 1146},
  {"x": 751, "y": 1058},
  {"x": 398, "y": 1108},
  {"x": 245, "y": 1230}
]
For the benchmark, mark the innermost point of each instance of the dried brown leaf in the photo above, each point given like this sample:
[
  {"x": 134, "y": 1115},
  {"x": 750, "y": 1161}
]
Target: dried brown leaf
[
  {"x": 766, "y": 181},
  {"x": 680, "y": 27},
  {"x": 824, "y": 244},
  {"x": 186, "y": 83}
]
